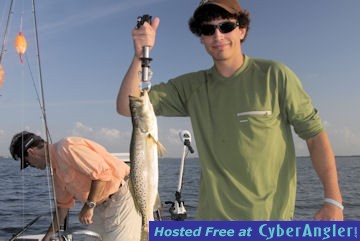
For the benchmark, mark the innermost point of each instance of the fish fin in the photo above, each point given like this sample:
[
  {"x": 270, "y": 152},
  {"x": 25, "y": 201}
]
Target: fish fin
[
  {"x": 157, "y": 204},
  {"x": 157, "y": 208},
  {"x": 150, "y": 138},
  {"x": 161, "y": 149}
]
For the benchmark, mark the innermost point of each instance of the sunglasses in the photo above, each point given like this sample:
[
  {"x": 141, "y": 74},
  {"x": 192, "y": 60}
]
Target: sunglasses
[{"x": 225, "y": 27}]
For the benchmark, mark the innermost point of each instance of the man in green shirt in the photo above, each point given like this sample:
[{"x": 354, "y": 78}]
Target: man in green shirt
[{"x": 241, "y": 111}]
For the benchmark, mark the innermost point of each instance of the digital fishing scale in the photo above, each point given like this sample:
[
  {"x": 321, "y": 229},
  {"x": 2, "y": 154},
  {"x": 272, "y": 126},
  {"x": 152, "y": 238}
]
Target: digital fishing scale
[{"x": 146, "y": 73}]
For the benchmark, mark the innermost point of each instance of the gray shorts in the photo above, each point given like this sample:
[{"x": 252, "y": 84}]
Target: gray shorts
[{"x": 117, "y": 218}]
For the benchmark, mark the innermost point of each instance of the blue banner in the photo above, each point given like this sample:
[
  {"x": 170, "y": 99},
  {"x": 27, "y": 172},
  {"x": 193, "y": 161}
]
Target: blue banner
[{"x": 253, "y": 230}]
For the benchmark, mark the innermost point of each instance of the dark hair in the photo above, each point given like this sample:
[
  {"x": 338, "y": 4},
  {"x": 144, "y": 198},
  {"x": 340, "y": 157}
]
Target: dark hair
[
  {"x": 21, "y": 142},
  {"x": 211, "y": 12}
]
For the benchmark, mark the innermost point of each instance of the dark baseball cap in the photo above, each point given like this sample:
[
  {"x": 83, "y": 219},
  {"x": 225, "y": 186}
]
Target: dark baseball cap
[
  {"x": 20, "y": 143},
  {"x": 232, "y": 6}
]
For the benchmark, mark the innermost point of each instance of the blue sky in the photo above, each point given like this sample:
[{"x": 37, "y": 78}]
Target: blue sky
[{"x": 86, "y": 48}]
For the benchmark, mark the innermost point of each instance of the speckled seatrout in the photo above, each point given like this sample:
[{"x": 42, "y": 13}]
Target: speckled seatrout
[{"x": 144, "y": 149}]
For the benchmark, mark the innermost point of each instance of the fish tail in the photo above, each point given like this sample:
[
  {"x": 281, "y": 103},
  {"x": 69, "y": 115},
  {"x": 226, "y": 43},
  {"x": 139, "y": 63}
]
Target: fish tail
[
  {"x": 144, "y": 229},
  {"x": 144, "y": 235}
]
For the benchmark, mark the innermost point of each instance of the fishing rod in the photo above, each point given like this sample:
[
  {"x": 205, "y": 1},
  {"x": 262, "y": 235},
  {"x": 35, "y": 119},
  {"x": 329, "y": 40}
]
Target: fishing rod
[
  {"x": 14, "y": 237},
  {"x": 42, "y": 105},
  {"x": 177, "y": 209},
  {"x": 36, "y": 91},
  {"x": 5, "y": 31},
  {"x": 46, "y": 129}
]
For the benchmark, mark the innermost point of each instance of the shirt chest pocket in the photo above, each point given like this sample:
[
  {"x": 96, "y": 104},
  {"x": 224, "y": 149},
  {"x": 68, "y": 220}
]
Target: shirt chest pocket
[{"x": 256, "y": 119}]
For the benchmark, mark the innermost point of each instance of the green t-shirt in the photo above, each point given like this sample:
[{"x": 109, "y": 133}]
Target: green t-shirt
[{"x": 242, "y": 126}]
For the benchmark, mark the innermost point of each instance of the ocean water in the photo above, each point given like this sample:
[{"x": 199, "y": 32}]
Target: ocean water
[{"x": 24, "y": 195}]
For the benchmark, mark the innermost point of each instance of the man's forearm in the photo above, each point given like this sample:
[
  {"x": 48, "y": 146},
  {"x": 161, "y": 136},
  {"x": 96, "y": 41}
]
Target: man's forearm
[
  {"x": 129, "y": 86},
  {"x": 96, "y": 190},
  {"x": 324, "y": 163},
  {"x": 57, "y": 221}
]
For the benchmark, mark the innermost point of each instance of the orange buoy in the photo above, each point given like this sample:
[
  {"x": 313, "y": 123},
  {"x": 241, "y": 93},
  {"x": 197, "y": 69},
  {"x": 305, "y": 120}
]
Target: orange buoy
[
  {"x": 1, "y": 76},
  {"x": 20, "y": 45}
]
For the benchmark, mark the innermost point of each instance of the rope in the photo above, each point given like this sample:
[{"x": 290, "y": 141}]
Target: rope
[
  {"x": 6, "y": 31},
  {"x": 47, "y": 133}
]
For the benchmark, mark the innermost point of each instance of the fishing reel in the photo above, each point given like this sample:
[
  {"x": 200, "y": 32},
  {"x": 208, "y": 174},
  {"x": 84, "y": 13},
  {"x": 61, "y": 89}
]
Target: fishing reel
[{"x": 177, "y": 209}]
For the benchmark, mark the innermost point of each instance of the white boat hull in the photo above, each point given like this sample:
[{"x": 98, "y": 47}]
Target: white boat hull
[{"x": 37, "y": 237}]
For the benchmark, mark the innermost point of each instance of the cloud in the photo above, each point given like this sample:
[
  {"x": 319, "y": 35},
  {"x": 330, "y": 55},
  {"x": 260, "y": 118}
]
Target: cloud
[
  {"x": 344, "y": 140},
  {"x": 349, "y": 136},
  {"x": 81, "y": 130},
  {"x": 110, "y": 134},
  {"x": 112, "y": 139},
  {"x": 87, "y": 13},
  {"x": 172, "y": 136}
]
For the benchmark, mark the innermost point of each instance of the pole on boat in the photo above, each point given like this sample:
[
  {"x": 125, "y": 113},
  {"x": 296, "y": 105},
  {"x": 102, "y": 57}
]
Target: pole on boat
[
  {"x": 177, "y": 209},
  {"x": 24, "y": 229},
  {"x": 47, "y": 133},
  {"x": 5, "y": 31}
]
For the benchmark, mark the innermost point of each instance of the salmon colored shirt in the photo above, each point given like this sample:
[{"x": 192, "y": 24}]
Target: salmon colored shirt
[{"x": 76, "y": 162}]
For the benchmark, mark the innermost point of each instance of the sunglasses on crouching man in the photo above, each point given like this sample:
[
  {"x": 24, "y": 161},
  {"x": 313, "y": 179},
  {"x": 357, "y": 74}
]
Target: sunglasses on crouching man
[{"x": 224, "y": 27}]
